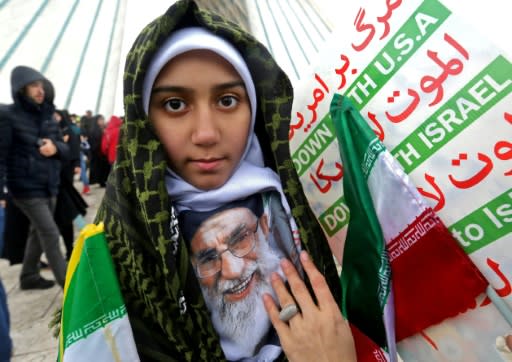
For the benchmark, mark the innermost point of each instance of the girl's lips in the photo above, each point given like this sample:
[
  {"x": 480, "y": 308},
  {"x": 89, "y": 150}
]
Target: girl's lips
[{"x": 207, "y": 165}]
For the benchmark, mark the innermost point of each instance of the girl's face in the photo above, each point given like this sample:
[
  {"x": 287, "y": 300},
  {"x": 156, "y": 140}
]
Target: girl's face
[{"x": 201, "y": 113}]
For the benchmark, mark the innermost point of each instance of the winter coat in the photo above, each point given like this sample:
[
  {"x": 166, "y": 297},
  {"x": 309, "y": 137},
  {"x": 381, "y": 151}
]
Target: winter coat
[
  {"x": 164, "y": 302},
  {"x": 70, "y": 203},
  {"x": 110, "y": 138},
  {"x": 99, "y": 168},
  {"x": 16, "y": 230},
  {"x": 73, "y": 140},
  {"x": 26, "y": 172}
]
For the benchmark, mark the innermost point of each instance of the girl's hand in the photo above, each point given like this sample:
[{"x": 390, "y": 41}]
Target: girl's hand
[{"x": 318, "y": 332}]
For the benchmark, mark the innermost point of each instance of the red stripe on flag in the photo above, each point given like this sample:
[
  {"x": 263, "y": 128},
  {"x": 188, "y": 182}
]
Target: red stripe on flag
[
  {"x": 366, "y": 349},
  {"x": 433, "y": 279}
]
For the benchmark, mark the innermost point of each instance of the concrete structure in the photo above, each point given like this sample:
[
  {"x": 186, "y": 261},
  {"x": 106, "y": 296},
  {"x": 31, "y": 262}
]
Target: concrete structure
[{"x": 74, "y": 43}]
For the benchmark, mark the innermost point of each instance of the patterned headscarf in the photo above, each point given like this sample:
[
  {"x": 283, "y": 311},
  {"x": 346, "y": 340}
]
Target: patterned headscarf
[{"x": 167, "y": 312}]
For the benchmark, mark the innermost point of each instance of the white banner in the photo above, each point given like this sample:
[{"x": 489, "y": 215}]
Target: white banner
[{"x": 438, "y": 94}]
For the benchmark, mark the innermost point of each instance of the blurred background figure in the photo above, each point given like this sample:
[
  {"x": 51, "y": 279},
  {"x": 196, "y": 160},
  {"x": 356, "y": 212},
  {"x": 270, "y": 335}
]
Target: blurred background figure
[
  {"x": 29, "y": 132},
  {"x": 86, "y": 123},
  {"x": 111, "y": 138},
  {"x": 16, "y": 226},
  {"x": 99, "y": 167},
  {"x": 5, "y": 323},
  {"x": 69, "y": 202},
  {"x": 84, "y": 158}
]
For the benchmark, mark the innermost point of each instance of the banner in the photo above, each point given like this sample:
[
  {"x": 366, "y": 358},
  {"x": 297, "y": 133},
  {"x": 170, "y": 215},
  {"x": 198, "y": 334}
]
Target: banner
[{"x": 437, "y": 94}]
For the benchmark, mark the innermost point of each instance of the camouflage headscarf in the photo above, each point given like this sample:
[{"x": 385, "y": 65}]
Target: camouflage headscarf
[{"x": 168, "y": 315}]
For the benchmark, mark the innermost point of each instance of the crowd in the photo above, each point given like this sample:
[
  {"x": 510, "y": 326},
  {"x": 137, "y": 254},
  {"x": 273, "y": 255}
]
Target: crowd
[{"x": 43, "y": 152}]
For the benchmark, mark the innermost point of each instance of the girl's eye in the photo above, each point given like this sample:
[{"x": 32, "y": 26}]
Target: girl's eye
[
  {"x": 174, "y": 105},
  {"x": 228, "y": 101}
]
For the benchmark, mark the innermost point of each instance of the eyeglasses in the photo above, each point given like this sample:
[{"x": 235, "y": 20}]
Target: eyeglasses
[{"x": 240, "y": 243}]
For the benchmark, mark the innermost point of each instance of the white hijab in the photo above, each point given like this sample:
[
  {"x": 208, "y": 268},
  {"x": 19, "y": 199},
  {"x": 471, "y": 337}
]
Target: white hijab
[{"x": 251, "y": 176}]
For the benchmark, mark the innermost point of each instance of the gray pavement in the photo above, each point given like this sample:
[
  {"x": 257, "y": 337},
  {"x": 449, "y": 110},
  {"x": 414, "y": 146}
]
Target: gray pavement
[{"x": 31, "y": 311}]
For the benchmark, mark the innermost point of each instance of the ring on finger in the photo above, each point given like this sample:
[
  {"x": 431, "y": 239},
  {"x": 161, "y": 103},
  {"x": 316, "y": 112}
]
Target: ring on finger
[{"x": 288, "y": 312}]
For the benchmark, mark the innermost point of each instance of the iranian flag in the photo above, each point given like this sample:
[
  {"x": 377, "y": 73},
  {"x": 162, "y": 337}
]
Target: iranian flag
[
  {"x": 402, "y": 269},
  {"x": 94, "y": 322}
]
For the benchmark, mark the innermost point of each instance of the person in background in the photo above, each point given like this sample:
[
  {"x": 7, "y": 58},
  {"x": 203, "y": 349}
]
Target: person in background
[
  {"x": 31, "y": 150},
  {"x": 73, "y": 122},
  {"x": 69, "y": 202},
  {"x": 74, "y": 119},
  {"x": 85, "y": 149},
  {"x": 86, "y": 123},
  {"x": 5, "y": 323},
  {"x": 99, "y": 167},
  {"x": 15, "y": 225},
  {"x": 16, "y": 228},
  {"x": 110, "y": 138}
]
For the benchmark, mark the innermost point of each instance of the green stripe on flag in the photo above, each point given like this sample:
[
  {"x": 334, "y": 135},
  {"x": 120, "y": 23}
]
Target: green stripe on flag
[
  {"x": 374, "y": 149},
  {"x": 365, "y": 274},
  {"x": 93, "y": 298}
]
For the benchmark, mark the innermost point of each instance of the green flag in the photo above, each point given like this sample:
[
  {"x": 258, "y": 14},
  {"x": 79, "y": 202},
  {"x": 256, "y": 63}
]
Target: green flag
[{"x": 94, "y": 322}]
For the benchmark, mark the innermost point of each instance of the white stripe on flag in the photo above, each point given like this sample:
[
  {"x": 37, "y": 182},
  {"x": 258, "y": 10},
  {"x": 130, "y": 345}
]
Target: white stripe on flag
[{"x": 114, "y": 342}]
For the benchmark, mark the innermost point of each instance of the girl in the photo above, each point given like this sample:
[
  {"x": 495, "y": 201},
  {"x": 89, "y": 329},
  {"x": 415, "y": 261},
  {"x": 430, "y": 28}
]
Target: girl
[{"x": 204, "y": 200}]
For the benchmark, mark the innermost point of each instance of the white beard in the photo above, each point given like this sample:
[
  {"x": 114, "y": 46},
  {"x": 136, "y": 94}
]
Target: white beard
[{"x": 242, "y": 325}]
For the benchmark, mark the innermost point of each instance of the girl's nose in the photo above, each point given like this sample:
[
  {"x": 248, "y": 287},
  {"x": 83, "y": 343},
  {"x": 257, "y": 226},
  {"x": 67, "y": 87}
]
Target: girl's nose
[{"x": 206, "y": 132}]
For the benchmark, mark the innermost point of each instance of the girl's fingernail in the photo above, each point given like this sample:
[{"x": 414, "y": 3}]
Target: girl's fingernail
[
  {"x": 304, "y": 256},
  {"x": 285, "y": 264}
]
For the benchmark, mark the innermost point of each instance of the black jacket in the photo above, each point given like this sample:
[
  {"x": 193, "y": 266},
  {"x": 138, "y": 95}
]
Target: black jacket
[{"x": 23, "y": 169}]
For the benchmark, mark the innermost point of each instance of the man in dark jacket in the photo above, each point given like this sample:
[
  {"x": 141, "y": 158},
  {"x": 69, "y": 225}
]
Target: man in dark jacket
[{"x": 31, "y": 147}]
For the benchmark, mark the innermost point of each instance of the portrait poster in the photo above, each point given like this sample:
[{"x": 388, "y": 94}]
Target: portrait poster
[
  {"x": 234, "y": 250},
  {"x": 437, "y": 93}
]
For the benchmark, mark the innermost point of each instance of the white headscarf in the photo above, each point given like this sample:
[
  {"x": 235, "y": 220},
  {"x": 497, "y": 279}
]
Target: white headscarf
[{"x": 251, "y": 176}]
